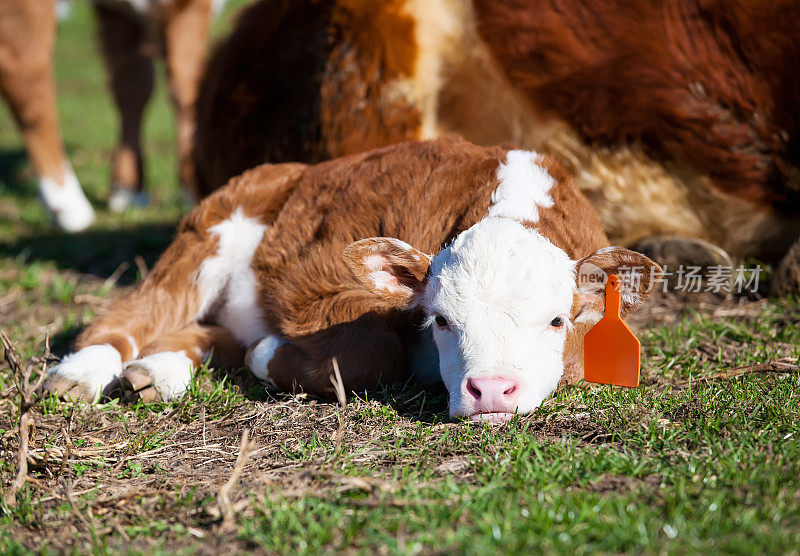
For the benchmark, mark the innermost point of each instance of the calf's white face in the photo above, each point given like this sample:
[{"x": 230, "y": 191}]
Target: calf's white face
[{"x": 499, "y": 298}]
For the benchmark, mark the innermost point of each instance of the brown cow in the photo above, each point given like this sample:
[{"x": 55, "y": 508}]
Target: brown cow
[
  {"x": 132, "y": 34},
  {"x": 675, "y": 117},
  {"x": 381, "y": 260}
]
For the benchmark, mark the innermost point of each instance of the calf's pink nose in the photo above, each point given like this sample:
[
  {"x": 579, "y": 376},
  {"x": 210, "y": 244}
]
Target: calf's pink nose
[{"x": 493, "y": 393}]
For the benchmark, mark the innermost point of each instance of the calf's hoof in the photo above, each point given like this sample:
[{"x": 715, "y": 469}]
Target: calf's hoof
[
  {"x": 162, "y": 376},
  {"x": 86, "y": 375},
  {"x": 137, "y": 384},
  {"x": 67, "y": 389},
  {"x": 786, "y": 278},
  {"x": 260, "y": 354}
]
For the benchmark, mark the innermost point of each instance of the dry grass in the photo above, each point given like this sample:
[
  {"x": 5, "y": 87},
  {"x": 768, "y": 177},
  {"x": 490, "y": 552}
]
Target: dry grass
[
  {"x": 677, "y": 465},
  {"x": 191, "y": 473}
]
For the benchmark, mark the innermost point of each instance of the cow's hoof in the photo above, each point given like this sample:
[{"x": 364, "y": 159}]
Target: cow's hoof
[
  {"x": 158, "y": 377},
  {"x": 786, "y": 278},
  {"x": 672, "y": 252},
  {"x": 122, "y": 198},
  {"x": 67, "y": 389},
  {"x": 137, "y": 384}
]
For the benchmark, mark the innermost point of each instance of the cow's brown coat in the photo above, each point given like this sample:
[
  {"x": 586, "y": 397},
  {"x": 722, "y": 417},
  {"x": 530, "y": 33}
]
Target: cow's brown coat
[{"x": 674, "y": 117}]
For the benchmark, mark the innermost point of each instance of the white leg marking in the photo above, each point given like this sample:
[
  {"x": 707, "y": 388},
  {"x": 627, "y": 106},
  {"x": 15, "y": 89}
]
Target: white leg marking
[
  {"x": 229, "y": 277},
  {"x": 259, "y": 357},
  {"x": 134, "y": 347},
  {"x": 122, "y": 198},
  {"x": 95, "y": 367},
  {"x": 524, "y": 187},
  {"x": 170, "y": 371},
  {"x": 66, "y": 201}
]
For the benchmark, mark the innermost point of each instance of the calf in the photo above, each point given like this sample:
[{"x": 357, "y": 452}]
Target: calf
[
  {"x": 675, "y": 117},
  {"x": 27, "y": 35},
  {"x": 132, "y": 33},
  {"x": 438, "y": 259}
]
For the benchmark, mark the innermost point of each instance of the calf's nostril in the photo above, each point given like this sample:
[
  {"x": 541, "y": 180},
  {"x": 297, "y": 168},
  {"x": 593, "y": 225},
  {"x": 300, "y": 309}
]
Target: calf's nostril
[
  {"x": 510, "y": 390},
  {"x": 473, "y": 390}
]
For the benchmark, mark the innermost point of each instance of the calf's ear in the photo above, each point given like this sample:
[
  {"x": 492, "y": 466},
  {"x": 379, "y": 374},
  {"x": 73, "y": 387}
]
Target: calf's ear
[
  {"x": 637, "y": 273},
  {"x": 389, "y": 267}
]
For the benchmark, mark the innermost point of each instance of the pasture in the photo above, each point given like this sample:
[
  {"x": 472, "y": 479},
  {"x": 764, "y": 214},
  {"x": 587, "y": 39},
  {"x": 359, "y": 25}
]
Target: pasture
[{"x": 699, "y": 457}]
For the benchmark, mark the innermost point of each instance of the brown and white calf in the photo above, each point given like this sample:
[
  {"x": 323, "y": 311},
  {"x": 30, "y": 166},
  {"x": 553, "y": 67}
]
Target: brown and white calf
[
  {"x": 132, "y": 33},
  {"x": 376, "y": 259},
  {"x": 675, "y": 117},
  {"x": 27, "y": 35}
]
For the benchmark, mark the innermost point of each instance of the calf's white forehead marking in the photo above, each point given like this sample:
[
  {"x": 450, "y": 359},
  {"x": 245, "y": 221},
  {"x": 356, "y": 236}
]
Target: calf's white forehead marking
[
  {"x": 227, "y": 281},
  {"x": 499, "y": 265},
  {"x": 524, "y": 187},
  {"x": 170, "y": 372},
  {"x": 94, "y": 367}
]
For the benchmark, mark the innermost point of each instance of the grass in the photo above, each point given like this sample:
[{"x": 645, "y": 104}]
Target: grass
[{"x": 684, "y": 463}]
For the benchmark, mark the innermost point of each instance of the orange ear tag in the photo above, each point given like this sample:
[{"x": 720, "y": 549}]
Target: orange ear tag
[{"x": 610, "y": 349}]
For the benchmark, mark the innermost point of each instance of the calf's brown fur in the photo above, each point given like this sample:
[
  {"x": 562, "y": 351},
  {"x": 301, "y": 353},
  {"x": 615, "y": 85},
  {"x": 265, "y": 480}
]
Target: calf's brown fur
[{"x": 307, "y": 292}]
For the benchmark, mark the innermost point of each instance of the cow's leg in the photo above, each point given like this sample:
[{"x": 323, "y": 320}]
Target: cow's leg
[
  {"x": 206, "y": 275},
  {"x": 128, "y": 51},
  {"x": 186, "y": 284},
  {"x": 163, "y": 369},
  {"x": 185, "y": 40},
  {"x": 368, "y": 352},
  {"x": 167, "y": 301},
  {"x": 27, "y": 35}
]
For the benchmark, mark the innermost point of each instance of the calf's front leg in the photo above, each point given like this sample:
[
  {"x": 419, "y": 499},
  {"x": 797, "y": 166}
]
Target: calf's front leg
[
  {"x": 368, "y": 352},
  {"x": 163, "y": 370},
  {"x": 160, "y": 316}
]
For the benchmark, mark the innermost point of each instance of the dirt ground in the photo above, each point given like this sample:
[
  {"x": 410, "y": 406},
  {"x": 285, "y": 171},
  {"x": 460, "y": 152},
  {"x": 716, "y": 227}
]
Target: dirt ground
[{"x": 99, "y": 474}]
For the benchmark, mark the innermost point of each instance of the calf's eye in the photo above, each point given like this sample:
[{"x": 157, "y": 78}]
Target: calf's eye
[
  {"x": 441, "y": 322},
  {"x": 557, "y": 322}
]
